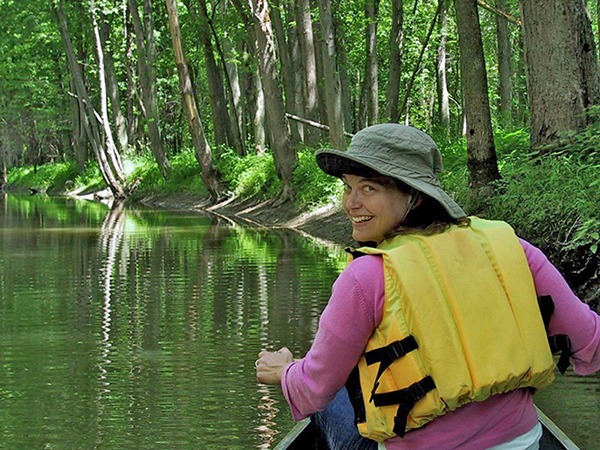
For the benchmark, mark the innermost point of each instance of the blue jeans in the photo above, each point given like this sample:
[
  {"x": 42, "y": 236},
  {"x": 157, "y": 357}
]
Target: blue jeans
[{"x": 336, "y": 423}]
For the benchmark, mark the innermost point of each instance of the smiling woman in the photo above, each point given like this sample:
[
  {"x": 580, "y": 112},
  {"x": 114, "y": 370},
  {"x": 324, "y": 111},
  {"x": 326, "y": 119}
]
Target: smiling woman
[{"x": 429, "y": 289}]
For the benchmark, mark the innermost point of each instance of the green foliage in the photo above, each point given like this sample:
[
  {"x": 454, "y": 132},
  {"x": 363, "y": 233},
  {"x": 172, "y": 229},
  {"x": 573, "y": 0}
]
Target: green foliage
[
  {"x": 46, "y": 178},
  {"x": 252, "y": 175},
  {"x": 550, "y": 199},
  {"x": 184, "y": 175},
  {"x": 312, "y": 186}
]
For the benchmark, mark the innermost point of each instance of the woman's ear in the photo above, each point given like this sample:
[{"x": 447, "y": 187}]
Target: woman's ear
[
  {"x": 415, "y": 200},
  {"x": 418, "y": 200}
]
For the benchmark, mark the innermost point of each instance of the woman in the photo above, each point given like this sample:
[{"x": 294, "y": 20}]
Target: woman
[{"x": 434, "y": 326}]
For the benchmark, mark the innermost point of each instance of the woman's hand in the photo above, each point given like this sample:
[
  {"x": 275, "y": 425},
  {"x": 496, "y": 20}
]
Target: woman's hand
[{"x": 270, "y": 365}]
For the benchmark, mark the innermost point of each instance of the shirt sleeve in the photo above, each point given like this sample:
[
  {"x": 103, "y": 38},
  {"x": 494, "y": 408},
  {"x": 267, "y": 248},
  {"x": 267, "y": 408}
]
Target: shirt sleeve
[
  {"x": 354, "y": 310},
  {"x": 571, "y": 316}
]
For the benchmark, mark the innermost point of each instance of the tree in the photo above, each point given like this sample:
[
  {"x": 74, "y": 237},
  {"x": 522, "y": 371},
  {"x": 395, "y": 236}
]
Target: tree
[
  {"x": 202, "y": 148},
  {"x": 562, "y": 70},
  {"x": 332, "y": 77},
  {"x": 481, "y": 152},
  {"x": 105, "y": 152},
  {"x": 441, "y": 79},
  {"x": 284, "y": 154},
  {"x": 396, "y": 43},
  {"x": 504, "y": 66},
  {"x": 224, "y": 132},
  {"x": 146, "y": 61},
  {"x": 308, "y": 65},
  {"x": 371, "y": 83}
]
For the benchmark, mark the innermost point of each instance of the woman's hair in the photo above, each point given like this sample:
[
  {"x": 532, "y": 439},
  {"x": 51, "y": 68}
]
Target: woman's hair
[{"x": 427, "y": 217}]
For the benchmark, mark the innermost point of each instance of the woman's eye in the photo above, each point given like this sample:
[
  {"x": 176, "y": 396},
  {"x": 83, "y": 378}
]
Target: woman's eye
[{"x": 368, "y": 188}]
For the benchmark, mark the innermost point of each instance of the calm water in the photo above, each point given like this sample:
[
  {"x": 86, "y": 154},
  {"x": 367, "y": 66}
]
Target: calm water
[{"x": 138, "y": 329}]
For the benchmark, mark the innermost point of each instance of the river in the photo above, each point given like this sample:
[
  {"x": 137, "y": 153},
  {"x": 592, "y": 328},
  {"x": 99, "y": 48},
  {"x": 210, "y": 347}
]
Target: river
[{"x": 138, "y": 328}]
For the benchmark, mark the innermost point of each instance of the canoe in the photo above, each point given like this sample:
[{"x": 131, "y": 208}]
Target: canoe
[{"x": 305, "y": 436}]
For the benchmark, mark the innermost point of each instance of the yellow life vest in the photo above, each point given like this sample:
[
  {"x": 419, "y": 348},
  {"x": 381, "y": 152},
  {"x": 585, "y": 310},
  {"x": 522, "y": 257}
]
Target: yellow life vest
[{"x": 460, "y": 323}]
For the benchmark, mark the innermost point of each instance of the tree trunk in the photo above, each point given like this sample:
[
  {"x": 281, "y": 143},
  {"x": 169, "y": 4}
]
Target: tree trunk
[
  {"x": 332, "y": 78},
  {"x": 112, "y": 86},
  {"x": 443, "y": 98},
  {"x": 215, "y": 87},
  {"x": 146, "y": 52},
  {"x": 201, "y": 146},
  {"x": 504, "y": 67},
  {"x": 481, "y": 152},
  {"x": 396, "y": 43},
  {"x": 90, "y": 122},
  {"x": 371, "y": 86},
  {"x": 562, "y": 82},
  {"x": 288, "y": 72},
  {"x": 283, "y": 152},
  {"x": 309, "y": 64},
  {"x": 110, "y": 156}
]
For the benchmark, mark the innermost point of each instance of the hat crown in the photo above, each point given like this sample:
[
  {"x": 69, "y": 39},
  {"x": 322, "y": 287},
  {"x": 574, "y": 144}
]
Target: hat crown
[{"x": 398, "y": 150}]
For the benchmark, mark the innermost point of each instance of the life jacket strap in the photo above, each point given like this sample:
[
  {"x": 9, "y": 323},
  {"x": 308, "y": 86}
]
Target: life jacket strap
[
  {"x": 405, "y": 399},
  {"x": 391, "y": 352},
  {"x": 559, "y": 342},
  {"x": 387, "y": 355}
]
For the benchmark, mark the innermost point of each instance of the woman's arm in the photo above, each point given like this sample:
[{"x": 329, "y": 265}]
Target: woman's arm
[
  {"x": 353, "y": 312},
  {"x": 571, "y": 316}
]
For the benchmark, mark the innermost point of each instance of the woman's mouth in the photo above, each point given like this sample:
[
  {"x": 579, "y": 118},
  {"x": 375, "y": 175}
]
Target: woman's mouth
[{"x": 360, "y": 219}]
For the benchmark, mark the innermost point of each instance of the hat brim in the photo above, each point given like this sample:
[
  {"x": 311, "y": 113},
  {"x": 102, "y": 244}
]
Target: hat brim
[{"x": 337, "y": 163}]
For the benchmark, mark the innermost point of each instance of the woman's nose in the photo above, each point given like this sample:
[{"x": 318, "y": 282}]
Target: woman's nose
[{"x": 352, "y": 200}]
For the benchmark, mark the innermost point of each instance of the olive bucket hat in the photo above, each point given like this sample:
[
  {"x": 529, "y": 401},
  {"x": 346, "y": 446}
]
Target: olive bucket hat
[{"x": 397, "y": 151}]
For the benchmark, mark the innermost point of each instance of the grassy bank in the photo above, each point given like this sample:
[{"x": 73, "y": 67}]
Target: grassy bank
[{"x": 551, "y": 200}]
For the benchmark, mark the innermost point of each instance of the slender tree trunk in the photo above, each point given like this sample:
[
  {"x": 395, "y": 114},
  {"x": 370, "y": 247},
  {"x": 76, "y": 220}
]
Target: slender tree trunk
[
  {"x": 284, "y": 154},
  {"x": 333, "y": 89},
  {"x": 297, "y": 61},
  {"x": 202, "y": 148},
  {"x": 80, "y": 142},
  {"x": 110, "y": 156},
  {"x": 146, "y": 52},
  {"x": 404, "y": 107},
  {"x": 396, "y": 43},
  {"x": 481, "y": 152},
  {"x": 215, "y": 87},
  {"x": 371, "y": 86},
  {"x": 112, "y": 86},
  {"x": 504, "y": 67},
  {"x": 307, "y": 50},
  {"x": 288, "y": 72},
  {"x": 90, "y": 121},
  {"x": 441, "y": 80}
]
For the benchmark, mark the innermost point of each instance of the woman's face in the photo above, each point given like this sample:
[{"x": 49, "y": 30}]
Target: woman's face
[{"x": 374, "y": 208}]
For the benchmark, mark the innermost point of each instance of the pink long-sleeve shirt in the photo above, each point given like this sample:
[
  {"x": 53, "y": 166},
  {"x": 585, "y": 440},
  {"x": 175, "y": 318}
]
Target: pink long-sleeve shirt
[{"x": 355, "y": 310}]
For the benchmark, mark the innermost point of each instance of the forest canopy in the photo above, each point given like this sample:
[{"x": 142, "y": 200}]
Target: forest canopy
[{"x": 104, "y": 81}]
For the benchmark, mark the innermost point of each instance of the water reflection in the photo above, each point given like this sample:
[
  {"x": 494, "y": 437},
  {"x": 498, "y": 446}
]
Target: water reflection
[{"x": 132, "y": 328}]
